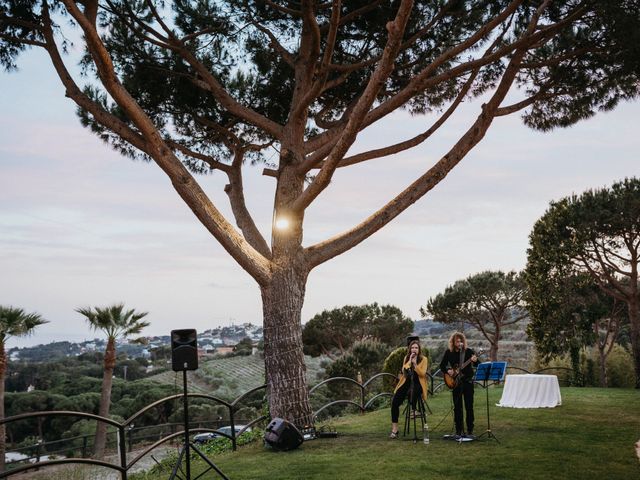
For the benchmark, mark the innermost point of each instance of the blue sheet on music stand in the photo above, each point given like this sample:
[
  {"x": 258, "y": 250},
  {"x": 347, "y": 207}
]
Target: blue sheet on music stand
[{"x": 491, "y": 371}]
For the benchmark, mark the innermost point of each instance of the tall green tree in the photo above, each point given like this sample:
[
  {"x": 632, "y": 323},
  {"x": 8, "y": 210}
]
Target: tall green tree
[
  {"x": 116, "y": 323},
  {"x": 595, "y": 234},
  {"x": 613, "y": 316},
  {"x": 570, "y": 312},
  {"x": 488, "y": 301},
  {"x": 14, "y": 322},
  {"x": 338, "y": 329},
  {"x": 217, "y": 85}
]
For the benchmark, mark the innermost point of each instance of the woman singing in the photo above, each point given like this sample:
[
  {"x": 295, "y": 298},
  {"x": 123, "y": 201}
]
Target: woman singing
[{"x": 414, "y": 375}]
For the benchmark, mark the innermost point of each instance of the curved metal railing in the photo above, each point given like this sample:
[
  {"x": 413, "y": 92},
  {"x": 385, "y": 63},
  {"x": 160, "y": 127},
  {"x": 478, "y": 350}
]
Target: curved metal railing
[
  {"x": 123, "y": 466},
  {"x": 121, "y": 430}
]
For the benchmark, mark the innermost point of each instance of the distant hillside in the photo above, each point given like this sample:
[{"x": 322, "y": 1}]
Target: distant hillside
[
  {"x": 227, "y": 378},
  {"x": 207, "y": 339},
  {"x": 515, "y": 348}
]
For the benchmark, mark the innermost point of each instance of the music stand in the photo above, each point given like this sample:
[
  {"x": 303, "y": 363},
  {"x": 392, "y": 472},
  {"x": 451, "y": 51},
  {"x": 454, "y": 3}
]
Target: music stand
[{"x": 494, "y": 372}]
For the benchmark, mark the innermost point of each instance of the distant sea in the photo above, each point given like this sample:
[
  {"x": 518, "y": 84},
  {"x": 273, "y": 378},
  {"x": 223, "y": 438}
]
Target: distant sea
[
  {"x": 33, "y": 340},
  {"x": 47, "y": 338}
]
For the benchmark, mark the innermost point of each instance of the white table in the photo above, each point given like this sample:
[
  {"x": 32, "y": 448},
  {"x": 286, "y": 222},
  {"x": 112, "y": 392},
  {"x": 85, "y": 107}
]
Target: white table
[{"x": 531, "y": 391}]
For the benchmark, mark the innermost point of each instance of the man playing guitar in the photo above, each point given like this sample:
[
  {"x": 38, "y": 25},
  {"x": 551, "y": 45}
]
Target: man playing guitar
[{"x": 457, "y": 363}]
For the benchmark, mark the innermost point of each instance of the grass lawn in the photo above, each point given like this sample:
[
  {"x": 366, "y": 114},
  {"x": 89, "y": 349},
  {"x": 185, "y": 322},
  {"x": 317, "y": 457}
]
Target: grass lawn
[{"x": 591, "y": 436}]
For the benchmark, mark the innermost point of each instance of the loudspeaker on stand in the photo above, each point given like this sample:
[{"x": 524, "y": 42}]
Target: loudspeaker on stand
[{"x": 184, "y": 350}]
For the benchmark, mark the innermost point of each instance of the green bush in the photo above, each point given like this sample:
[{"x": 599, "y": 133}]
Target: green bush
[
  {"x": 393, "y": 365},
  {"x": 620, "y": 370},
  {"x": 366, "y": 358},
  {"x": 363, "y": 360}
]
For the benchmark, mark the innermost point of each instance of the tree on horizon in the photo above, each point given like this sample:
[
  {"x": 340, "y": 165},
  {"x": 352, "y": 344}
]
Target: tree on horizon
[
  {"x": 487, "y": 301},
  {"x": 339, "y": 328},
  {"x": 215, "y": 86},
  {"x": 570, "y": 312},
  {"x": 595, "y": 235}
]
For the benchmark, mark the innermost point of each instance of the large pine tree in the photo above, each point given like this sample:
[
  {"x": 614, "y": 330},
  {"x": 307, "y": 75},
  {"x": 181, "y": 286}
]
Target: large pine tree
[{"x": 216, "y": 85}]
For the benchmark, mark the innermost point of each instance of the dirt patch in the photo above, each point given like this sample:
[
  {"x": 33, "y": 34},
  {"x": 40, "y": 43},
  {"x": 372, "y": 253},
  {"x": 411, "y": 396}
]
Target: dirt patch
[{"x": 90, "y": 472}]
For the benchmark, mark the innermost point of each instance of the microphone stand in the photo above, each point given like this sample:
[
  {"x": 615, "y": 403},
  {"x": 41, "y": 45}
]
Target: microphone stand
[{"x": 409, "y": 411}]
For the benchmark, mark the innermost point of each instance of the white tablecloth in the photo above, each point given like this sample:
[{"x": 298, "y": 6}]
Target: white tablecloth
[{"x": 530, "y": 391}]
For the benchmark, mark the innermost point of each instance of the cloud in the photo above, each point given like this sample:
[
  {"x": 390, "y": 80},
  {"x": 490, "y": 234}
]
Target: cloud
[{"x": 80, "y": 225}]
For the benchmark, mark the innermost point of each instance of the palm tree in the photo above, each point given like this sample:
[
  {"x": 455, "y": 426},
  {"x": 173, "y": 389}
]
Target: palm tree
[
  {"x": 115, "y": 322},
  {"x": 14, "y": 322}
]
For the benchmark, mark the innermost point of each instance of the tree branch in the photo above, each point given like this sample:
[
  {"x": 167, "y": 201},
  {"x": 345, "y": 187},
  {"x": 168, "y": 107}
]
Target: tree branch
[
  {"x": 415, "y": 86},
  {"x": 72, "y": 91},
  {"x": 244, "y": 220},
  {"x": 611, "y": 286},
  {"x": 276, "y": 45},
  {"x": 424, "y": 80},
  {"x": 418, "y": 139},
  {"x": 212, "y": 162},
  {"x": 305, "y": 66},
  {"x": 186, "y": 186},
  {"x": 328, "y": 249},
  {"x": 514, "y": 107},
  {"x": 225, "y": 99},
  {"x": 382, "y": 71},
  {"x": 25, "y": 41},
  {"x": 281, "y": 9},
  {"x": 131, "y": 19}
]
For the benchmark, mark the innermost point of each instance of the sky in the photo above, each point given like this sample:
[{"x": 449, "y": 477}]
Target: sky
[{"x": 82, "y": 226}]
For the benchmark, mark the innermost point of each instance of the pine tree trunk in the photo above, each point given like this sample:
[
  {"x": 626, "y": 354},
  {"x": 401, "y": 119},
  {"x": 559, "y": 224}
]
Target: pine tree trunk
[
  {"x": 3, "y": 372},
  {"x": 603, "y": 366},
  {"x": 105, "y": 398},
  {"x": 285, "y": 369},
  {"x": 634, "y": 319},
  {"x": 495, "y": 344},
  {"x": 493, "y": 352}
]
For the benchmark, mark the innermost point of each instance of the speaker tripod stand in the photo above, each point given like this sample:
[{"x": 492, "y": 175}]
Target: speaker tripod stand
[{"x": 185, "y": 451}]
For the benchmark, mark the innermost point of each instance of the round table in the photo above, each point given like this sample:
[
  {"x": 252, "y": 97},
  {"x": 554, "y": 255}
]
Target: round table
[{"x": 531, "y": 391}]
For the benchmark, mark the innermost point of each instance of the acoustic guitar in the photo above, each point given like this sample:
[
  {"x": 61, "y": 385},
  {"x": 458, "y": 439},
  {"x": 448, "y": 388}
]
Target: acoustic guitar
[{"x": 453, "y": 380}]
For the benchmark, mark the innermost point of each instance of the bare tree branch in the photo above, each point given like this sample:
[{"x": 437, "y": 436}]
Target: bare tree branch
[
  {"x": 281, "y": 9},
  {"x": 244, "y": 220},
  {"x": 213, "y": 163},
  {"x": 396, "y": 30},
  {"x": 276, "y": 45},
  {"x": 334, "y": 246},
  {"x": 418, "y": 139},
  {"x": 104, "y": 118},
  {"x": 24, "y": 41},
  {"x": 186, "y": 186}
]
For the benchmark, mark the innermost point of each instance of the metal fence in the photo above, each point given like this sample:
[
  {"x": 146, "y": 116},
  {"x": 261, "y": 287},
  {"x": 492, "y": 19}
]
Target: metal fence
[{"x": 125, "y": 435}]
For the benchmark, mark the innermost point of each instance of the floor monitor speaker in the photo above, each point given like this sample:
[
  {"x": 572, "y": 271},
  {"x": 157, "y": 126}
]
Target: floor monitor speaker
[{"x": 282, "y": 435}]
